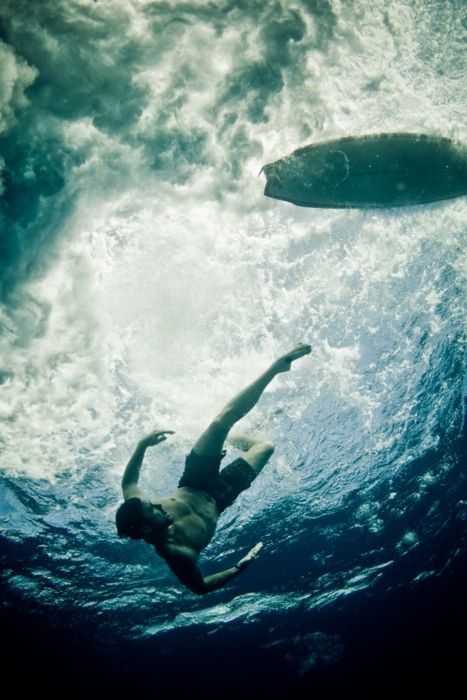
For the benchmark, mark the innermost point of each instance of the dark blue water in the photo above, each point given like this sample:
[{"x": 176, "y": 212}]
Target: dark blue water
[
  {"x": 401, "y": 620},
  {"x": 146, "y": 279}
]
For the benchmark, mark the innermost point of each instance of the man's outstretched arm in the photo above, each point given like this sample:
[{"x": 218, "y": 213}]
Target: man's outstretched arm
[
  {"x": 130, "y": 477},
  {"x": 187, "y": 571}
]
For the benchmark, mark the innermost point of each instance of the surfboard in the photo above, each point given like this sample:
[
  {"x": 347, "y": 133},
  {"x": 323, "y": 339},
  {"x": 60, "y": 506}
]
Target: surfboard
[{"x": 377, "y": 170}]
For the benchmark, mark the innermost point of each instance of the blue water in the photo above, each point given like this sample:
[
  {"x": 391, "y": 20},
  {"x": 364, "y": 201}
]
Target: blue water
[{"x": 146, "y": 279}]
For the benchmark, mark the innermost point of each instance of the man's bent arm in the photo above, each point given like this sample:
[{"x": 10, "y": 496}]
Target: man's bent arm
[
  {"x": 187, "y": 571},
  {"x": 133, "y": 468}
]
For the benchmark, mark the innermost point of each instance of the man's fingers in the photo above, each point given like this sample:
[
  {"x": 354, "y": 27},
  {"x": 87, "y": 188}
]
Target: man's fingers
[
  {"x": 255, "y": 550},
  {"x": 162, "y": 433},
  {"x": 252, "y": 554},
  {"x": 160, "y": 437},
  {"x": 157, "y": 436}
]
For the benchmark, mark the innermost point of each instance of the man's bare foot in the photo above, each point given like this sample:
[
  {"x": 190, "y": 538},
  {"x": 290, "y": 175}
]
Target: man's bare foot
[{"x": 283, "y": 363}]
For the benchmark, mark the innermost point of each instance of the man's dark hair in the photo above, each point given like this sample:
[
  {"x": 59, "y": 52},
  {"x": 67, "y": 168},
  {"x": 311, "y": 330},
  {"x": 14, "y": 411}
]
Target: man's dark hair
[{"x": 130, "y": 519}]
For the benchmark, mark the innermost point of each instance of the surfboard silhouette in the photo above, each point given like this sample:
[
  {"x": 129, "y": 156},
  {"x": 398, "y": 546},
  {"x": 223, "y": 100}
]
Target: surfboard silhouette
[{"x": 377, "y": 170}]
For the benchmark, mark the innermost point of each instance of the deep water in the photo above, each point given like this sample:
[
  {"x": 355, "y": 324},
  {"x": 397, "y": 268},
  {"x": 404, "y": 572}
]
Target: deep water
[{"x": 146, "y": 279}]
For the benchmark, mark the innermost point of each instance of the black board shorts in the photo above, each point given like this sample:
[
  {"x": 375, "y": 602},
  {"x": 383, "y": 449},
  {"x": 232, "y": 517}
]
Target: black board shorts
[{"x": 224, "y": 486}]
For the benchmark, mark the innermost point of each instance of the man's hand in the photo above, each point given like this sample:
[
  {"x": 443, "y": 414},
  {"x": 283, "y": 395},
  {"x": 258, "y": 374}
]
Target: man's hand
[
  {"x": 155, "y": 437},
  {"x": 249, "y": 557},
  {"x": 282, "y": 364}
]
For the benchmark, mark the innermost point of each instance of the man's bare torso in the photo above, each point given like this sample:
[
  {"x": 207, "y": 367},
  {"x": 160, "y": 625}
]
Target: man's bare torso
[{"x": 194, "y": 516}]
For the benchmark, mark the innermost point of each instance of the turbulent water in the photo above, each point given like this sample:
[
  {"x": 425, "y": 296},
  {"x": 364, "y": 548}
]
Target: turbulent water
[{"x": 145, "y": 279}]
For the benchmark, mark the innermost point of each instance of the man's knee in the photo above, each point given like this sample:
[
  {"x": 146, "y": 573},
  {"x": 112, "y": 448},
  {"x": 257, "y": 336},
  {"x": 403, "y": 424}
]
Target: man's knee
[
  {"x": 267, "y": 448},
  {"x": 258, "y": 455}
]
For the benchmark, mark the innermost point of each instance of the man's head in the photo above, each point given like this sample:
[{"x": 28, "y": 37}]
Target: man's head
[{"x": 142, "y": 520}]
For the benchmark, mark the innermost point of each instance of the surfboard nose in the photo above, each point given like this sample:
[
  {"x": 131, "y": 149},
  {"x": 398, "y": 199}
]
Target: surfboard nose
[{"x": 273, "y": 178}]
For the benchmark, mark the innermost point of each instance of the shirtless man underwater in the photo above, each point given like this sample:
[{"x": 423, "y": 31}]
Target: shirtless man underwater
[{"x": 180, "y": 525}]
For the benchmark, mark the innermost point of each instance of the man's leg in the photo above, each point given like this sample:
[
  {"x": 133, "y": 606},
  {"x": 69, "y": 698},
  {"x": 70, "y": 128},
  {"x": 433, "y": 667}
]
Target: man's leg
[
  {"x": 256, "y": 451},
  {"x": 211, "y": 441}
]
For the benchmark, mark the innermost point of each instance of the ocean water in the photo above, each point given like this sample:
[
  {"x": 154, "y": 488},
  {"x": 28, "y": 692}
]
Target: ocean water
[{"x": 145, "y": 279}]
